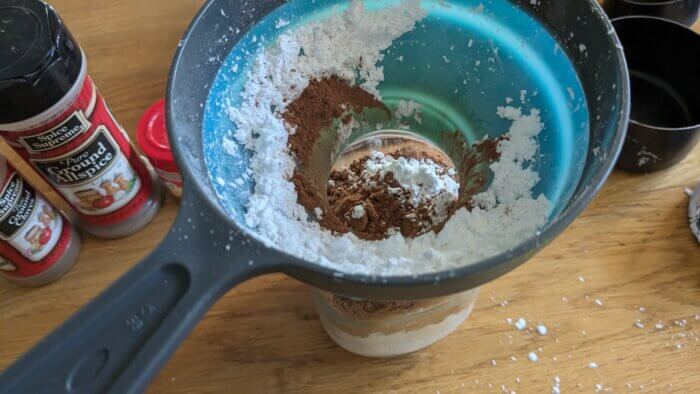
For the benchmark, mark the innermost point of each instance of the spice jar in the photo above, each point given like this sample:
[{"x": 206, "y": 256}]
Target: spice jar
[
  {"x": 152, "y": 137},
  {"x": 37, "y": 244},
  {"x": 53, "y": 115}
]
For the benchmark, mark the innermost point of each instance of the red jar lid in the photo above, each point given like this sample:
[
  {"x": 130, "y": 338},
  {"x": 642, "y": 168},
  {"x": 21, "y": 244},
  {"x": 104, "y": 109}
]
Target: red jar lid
[{"x": 152, "y": 137}]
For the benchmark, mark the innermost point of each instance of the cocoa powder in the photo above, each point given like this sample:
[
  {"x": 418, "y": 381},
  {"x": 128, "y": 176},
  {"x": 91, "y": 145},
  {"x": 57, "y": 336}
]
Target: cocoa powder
[
  {"x": 318, "y": 105},
  {"x": 472, "y": 164},
  {"x": 365, "y": 309}
]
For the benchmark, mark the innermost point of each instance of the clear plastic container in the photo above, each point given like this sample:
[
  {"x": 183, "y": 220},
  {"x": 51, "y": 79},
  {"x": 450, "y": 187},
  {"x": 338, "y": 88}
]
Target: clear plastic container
[{"x": 391, "y": 328}]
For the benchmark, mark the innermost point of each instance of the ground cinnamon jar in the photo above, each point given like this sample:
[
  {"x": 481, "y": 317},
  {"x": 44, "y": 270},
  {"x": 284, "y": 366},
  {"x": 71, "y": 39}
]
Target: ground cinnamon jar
[
  {"x": 37, "y": 244},
  {"x": 53, "y": 115}
]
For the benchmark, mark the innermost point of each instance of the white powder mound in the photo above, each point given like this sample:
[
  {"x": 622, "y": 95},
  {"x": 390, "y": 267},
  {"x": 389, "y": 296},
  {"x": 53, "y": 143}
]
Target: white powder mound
[
  {"x": 423, "y": 179},
  {"x": 357, "y": 212},
  {"x": 542, "y": 329},
  {"x": 350, "y": 46}
]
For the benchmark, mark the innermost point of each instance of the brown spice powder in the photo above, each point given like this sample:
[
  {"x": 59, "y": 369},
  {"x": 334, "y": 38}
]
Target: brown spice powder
[
  {"x": 472, "y": 164},
  {"x": 318, "y": 105},
  {"x": 359, "y": 308}
]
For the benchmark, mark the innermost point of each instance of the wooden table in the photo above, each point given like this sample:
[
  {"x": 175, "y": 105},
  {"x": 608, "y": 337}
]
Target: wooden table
[{"x": 632, "y": 250}]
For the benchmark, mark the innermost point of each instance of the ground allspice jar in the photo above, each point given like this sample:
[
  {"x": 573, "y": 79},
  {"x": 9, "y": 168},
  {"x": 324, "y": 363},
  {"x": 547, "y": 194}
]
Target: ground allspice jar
[
  {"x": 53, "y": 115},
  {"x": 37, "y": 244}
]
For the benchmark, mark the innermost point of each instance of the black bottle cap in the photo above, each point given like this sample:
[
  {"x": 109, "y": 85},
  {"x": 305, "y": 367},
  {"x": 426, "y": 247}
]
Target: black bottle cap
[{"x": 39, "y": 59}]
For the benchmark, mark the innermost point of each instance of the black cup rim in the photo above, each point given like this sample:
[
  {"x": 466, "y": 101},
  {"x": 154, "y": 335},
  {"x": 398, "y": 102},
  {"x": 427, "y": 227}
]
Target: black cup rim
[
  {"x": 689, "y": 128},
  {"x": 650, "y": 4}
]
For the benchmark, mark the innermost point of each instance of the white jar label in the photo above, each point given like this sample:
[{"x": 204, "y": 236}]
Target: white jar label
[
  {"x": 96, "y": 178},
  {"x": 27, "y": 221}
]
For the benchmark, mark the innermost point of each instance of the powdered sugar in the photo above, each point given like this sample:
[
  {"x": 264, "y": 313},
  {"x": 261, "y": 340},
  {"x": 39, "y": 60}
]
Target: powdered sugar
[
  {"x": 423, "y": 179},
  {"x": 542, "y": 329},
  {"x": 520, "y": 324},
  {"x": 357, "y": 212},
  {"x": 350, "y": 46}
]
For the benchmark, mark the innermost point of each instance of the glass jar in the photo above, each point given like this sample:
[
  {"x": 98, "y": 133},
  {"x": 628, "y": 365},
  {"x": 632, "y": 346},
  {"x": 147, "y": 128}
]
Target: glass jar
[{"x": 391, "y": 328}]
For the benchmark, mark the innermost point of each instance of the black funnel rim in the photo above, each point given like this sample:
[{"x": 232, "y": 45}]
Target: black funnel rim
[{"x": 186, "y": 139}]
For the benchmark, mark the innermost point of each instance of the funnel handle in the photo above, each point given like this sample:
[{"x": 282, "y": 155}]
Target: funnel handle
[{"x": 120, "y": 340}]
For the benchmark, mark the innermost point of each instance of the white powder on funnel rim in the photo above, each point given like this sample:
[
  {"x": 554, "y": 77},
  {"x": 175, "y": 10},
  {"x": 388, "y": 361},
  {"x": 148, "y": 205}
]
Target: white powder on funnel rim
[{"x": 350, "y": 46}]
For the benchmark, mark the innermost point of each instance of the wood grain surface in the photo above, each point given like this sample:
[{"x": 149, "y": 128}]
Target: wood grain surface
[{"x": 631, "y": 248}]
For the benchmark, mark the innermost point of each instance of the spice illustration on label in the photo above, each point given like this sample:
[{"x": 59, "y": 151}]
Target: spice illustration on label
[
  {"x": 27, "y": 221},
  {"x": 60, "y": 135},
  {"x": 96, "y": 177}
]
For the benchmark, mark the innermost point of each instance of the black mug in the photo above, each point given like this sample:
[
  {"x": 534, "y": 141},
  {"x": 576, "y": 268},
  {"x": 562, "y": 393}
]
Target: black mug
[{"x": 663, "y": 58}]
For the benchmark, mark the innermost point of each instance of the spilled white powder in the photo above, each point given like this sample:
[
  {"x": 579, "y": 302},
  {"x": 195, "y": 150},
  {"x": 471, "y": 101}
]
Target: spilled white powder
[
  {"x": 350, "y": 46},
  {"x": 280, "y": 23},
  {"x": 542, "y": 329},
  {"x": 556, "y": 387},
  {"x": 230, "y": 147}
]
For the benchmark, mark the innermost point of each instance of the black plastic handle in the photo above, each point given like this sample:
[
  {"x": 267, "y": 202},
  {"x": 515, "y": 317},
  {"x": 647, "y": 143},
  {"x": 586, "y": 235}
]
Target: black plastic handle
[{"x": 119, "y": 341}]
